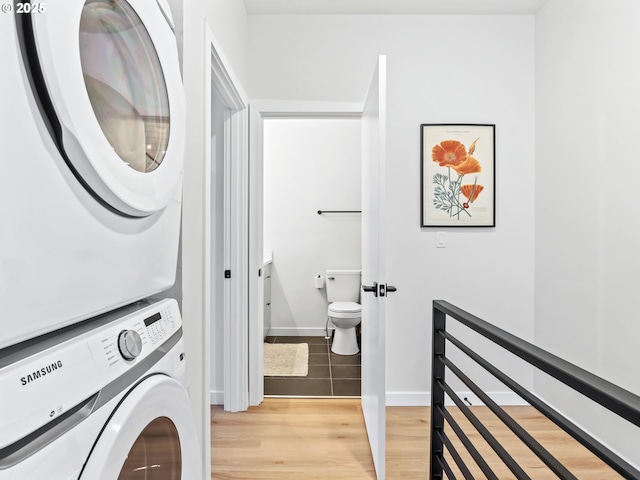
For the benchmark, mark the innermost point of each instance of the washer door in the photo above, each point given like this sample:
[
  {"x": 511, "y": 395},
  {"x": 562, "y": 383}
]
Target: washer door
[
  {"x": 113, "y": 87},
  {"x": 151, "y": 436}
]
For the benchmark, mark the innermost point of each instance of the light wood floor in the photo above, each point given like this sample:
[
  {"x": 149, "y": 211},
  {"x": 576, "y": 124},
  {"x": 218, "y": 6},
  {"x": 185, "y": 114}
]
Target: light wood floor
[{"x": 309, "y": 439}]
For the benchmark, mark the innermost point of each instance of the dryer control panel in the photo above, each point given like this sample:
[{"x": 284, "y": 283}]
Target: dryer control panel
[
  {"x": 50, "y": 381},
  {"x": 160, "y": 324},
  {"x": 143, "y": 333}
]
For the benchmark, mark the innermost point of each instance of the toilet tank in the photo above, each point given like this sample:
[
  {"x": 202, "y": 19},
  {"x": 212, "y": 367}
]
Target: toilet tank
[{"x": 343, "y": 286}]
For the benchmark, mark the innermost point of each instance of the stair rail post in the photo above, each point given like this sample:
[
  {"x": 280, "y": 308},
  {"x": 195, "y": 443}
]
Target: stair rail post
[{"x": 437, "y": 393}]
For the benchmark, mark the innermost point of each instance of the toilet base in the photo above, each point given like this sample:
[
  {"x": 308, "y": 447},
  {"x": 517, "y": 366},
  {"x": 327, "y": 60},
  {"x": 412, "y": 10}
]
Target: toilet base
[{"x": 345, "y": 341}]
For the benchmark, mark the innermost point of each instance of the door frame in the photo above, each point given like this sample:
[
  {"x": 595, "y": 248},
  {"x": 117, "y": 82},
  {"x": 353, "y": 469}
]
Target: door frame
[
  {"x": 209, "y": 67},
  {"x": 218, "y": 75},
  {"x": 259, "y": 111}
]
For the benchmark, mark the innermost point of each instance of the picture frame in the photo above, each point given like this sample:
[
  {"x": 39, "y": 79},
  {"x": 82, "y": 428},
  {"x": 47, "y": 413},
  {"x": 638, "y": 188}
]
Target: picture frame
[{"x": 457, "y": 175}]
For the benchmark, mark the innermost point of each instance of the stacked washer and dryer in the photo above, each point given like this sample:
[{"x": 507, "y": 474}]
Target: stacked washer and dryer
[{"x": 92, "y": 372}]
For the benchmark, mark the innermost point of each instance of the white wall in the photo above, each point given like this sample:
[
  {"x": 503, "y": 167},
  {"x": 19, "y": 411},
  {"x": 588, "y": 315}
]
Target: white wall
[
  {"x": 470, "y": 69},
  {"x": 309, "y": 165},
  {"x": 441, "y": 69},
  {"x": 227, "y": 20},
  {"x": 587, "y": 264}
]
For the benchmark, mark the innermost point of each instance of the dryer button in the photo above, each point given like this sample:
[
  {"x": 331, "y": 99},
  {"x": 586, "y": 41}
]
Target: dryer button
[{"x": 129, "y": 344}]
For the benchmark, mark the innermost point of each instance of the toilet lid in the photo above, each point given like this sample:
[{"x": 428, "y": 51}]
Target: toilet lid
[{"x": 345, "y": 307}]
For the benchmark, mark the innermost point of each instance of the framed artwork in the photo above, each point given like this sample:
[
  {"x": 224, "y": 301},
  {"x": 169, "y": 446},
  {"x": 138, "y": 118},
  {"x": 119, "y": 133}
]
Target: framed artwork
[{"x": 457, "y": 175}]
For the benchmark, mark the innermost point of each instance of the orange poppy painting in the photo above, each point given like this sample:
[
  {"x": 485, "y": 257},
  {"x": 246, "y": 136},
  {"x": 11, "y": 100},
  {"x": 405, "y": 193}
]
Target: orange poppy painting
[{"x": 457, "y": 175}]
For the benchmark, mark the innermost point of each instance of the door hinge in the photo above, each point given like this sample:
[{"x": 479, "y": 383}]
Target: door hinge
[{"x": 227, "y": 274}]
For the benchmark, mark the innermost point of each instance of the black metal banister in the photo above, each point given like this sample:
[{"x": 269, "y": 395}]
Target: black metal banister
[
  {"x": 604, "y": 453},
  {"x": 542, "y": 453},
  {"x": 621, "y": 402},
  {"x": 488, "y": 437},
  {"x": 473, "y": 451},
  {"x": 455, "y": 455},
  {"x": 618, "y": 400},
  {"x": 445, "y": 466}
]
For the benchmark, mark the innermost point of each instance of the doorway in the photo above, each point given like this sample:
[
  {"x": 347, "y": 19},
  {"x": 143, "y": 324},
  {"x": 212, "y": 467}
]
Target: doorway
[
  {"x": 213, "y": 73},
  {"x": 310, "y": 164},
  {"x": 373, "y": 115},
  {"x": 219, "y": 234},
  {"x": 225, "y": 233},
  {"x": 261, "y": 112}
]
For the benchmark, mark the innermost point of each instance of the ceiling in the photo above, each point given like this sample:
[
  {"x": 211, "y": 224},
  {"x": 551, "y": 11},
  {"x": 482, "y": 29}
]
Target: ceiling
[{"x": 403, "y": 7}]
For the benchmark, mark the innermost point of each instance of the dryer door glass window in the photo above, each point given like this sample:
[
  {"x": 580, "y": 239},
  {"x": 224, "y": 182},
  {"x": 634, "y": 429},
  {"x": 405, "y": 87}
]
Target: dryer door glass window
[
  {"x": 125, "y": 83},
  {"x": 155, "y": 455}
]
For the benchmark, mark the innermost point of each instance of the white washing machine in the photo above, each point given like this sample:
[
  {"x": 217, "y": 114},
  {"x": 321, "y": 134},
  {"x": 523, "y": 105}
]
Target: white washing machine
[
  {"x": 104, "y": 400},
  {"x": 92, "y": 128}
]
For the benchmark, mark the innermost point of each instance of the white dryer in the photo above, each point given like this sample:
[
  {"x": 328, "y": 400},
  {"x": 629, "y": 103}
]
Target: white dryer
[
  {"x": 106, "y": 399},
  {"x": 92, "y": 132}
]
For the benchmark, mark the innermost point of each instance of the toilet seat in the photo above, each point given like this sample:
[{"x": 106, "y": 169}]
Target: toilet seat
[{"x": 344, "y": 310}]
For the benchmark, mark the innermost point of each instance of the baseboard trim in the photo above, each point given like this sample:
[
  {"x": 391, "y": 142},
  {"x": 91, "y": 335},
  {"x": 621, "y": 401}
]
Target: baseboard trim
[
  {"x": 419, "y": 399},
  {"x": 423, "y": 399},
  {"x": 216, "y": 397},
  {"x": 296, "y": 332}
]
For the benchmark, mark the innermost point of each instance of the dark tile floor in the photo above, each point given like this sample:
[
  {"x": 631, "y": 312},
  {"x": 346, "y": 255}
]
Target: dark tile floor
[{"x": 330, "y": 375}]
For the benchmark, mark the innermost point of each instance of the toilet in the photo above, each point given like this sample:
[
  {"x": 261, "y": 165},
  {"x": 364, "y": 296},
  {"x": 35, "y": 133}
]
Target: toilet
[{"x": 343, "y": 294}]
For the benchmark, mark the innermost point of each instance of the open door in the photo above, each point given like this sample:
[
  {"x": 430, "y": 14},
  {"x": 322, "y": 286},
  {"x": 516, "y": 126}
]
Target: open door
[{"x": 375, "y": 289}]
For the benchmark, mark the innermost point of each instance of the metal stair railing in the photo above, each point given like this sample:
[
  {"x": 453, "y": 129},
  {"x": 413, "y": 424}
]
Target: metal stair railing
[{"x": 615, "y": 399}]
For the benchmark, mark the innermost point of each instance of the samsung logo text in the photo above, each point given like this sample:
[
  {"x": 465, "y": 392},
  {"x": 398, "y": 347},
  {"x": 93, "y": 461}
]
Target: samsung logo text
[{"x": 32, "y": 377}]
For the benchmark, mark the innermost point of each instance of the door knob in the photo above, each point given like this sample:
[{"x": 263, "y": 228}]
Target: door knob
[
  {"x": 371, "y": 288},
  {"x": 384, "y": 289},
  {"x": 380, "y": 290}
]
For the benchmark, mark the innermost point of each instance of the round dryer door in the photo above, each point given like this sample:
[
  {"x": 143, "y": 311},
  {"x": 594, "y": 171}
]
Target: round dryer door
[
  {"x": 112, "y": 79},
  {"x": 151, "y": 435}
]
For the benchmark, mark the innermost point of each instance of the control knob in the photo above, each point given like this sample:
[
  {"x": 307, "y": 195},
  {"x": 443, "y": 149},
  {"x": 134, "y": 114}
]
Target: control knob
[{"x": 129, "y": 344}]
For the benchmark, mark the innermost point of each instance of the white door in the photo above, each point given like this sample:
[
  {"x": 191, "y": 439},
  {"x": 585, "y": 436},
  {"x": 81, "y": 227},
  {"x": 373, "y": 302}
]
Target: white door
[{"x": 374, "y": 295}]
